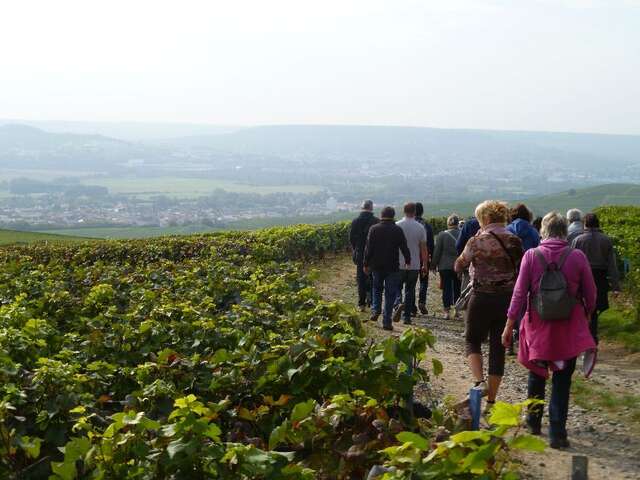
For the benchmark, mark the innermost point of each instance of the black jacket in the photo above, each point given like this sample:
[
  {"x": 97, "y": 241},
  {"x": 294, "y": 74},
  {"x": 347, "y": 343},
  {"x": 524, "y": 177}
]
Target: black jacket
[
  {"x": 599, "y": 251},
  {"x": 382, "y": 252},
  {"x": 359, "y": 231}
]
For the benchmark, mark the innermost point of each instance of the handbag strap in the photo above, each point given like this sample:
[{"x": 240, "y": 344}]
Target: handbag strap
[{"x": 513, "y": 264}]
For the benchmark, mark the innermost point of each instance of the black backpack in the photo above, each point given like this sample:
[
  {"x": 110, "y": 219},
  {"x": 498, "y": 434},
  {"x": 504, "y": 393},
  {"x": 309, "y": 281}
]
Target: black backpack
[{"x": 553, "y": 301}]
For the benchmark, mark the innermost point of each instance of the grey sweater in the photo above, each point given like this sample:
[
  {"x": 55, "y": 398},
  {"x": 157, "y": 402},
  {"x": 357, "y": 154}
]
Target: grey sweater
[{"x": 445, "y": 253}]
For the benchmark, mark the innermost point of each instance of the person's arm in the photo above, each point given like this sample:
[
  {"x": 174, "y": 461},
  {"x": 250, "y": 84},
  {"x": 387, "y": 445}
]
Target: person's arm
[
  {"x": 464, "y": 260},
  {"x": 424, "y": 258},
  {"x": 437, "y": 253},
  {"x": 612, "y": 269},
  {"x": 369, "y": 248},
  {"x": 403, "y": 247},
  {"x": 519, "y": 298},
  {"x": 353, "y": 235},
  {"x": 587, "y": 284}
]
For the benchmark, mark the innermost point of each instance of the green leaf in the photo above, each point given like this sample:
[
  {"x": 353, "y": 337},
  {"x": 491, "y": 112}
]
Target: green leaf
[
  {"x": 176, "y": 447},
  {"x": 529, "y": 443},
  {"x": 469, "y": 436},
  {"x": 213, "y": 432},
  {"x": 437, "y": 366},
  {"x": 302, "y": 410},
  {"x": 505, "y": 414},
  {"x": 31, "y": 446},
  {"x": 418, "y": 441},
  {"x": 64, "y": 470}
]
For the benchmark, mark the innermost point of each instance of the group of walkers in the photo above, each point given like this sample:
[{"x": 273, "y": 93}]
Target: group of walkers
[{"x": 544, "y": 280}]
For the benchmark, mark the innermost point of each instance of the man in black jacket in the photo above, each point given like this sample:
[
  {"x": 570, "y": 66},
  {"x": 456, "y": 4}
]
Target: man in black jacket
[
  {"x": 599, "y": 251},
  {"x": 382, "y": 258},
  {"x": 358, "y": 238}
]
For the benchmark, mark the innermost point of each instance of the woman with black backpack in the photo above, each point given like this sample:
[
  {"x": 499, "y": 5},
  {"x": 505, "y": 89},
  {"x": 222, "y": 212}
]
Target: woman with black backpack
[{"x": 555, "y": 288}]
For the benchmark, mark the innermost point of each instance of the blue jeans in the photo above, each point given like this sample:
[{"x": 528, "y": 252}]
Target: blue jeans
[
  {"x": 559, "y": 405},
  {"x": 408, "y": 280},
  {"x": 450, "y": 288},
  {"x": 389, "y": 283}
]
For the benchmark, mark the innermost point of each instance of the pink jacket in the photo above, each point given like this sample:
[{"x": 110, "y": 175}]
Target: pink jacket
[{"x": 553, "y": 340}]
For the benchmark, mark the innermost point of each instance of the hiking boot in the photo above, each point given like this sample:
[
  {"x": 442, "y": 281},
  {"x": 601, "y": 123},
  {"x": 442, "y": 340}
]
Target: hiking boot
[
  {"x": 488, "y": 407},
  {"x": 559, "y": 443},
  {"x": 388, "y": 327},
  {"x": 397, "y": 312},
  {"x": 534, "y": 429},
  {"x": 447, "y": 314},
  {"x": 423, "y": 309},
  {"x": 374, "y": 316}
]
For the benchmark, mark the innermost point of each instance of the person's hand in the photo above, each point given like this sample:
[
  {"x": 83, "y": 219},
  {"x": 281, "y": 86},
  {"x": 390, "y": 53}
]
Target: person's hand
[
  {"x": 507, "y": 336},
  {"x": 407, "y": 266},
  {"x": 366, "y": 270}
]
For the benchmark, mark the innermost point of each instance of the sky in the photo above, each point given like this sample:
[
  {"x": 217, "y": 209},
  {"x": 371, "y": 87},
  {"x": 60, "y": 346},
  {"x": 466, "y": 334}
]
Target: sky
[{"x": 553, "y": 65}]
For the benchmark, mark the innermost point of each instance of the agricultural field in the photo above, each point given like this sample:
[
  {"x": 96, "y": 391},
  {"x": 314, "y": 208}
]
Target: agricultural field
[
  {"x": 8, "y": 237},
  {"x": 187, "y": 187},
  {"x": 622, "y": 322},
  {"x": 213, "y": 356}
]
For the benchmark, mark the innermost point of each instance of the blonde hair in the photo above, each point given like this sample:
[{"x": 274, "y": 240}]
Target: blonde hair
[
  {"x": 492, "y": 211},
  {"x": 554, "y": 225}
]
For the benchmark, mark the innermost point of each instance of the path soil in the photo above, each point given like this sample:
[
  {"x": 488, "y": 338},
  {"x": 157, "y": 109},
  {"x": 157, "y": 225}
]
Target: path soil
[{"x": 612, "y": 444}]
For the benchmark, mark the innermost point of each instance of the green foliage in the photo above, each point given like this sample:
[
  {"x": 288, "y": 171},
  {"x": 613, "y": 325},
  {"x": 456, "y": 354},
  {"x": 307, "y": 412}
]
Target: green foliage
[{"x": 470, "y": 454}]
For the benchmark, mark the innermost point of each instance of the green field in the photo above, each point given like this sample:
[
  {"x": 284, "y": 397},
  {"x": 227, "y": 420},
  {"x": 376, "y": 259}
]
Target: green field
[
  {"x": 188, "y": 187},
  {"x": 8, "y": 237}
]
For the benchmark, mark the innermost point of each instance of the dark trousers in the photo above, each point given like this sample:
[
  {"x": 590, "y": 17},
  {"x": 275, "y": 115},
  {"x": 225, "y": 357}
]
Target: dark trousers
[
  {"x": 424, "y": 286},
  {"x": 450, "y": 288},
  {"x": 593, "y": 326},
  {"x": 389, "y": 283},
  {"x": 408, "y": 280},
  {"x": 559, "y": 405},
  {"x": 364, "y": 285}
]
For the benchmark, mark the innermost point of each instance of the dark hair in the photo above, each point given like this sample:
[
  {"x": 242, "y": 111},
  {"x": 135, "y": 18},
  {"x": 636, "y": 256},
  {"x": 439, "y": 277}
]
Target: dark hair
[
  {"x": 419, "y": 209},
  {"x": 591, "y": 221},
  {"x": 367, "y": 205},
  {"x": 388, "y": 212},
  {"x": 537, "y": 223},
  {"x": 410, "y": 208},
  {"x": 520, "y": 211}
]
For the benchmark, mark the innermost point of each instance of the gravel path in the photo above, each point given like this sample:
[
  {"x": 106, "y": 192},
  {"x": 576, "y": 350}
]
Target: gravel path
[{"x": 611, "y": 443}]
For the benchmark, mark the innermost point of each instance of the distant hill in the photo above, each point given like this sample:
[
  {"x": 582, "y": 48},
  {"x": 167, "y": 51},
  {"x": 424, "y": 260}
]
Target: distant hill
[
  {"x": 586, "y": 199},
  {"x": 427, "y": 145},
  {"x": 8, "y": 237},
  {"x": 23, "y": 146}
]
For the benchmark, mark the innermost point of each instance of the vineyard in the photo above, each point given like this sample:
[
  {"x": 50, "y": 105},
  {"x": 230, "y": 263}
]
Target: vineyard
[
  {"x": 213, "y": 357},
  {"x": 623, "y": 225}
]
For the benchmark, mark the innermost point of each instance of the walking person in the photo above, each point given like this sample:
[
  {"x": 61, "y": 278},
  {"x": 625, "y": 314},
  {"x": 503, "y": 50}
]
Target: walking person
[
  {"x": 576, "y": 227},
  {"x": 492, "y": 257},
  {"x": 602, "y": 258},
  {"x": 520, "y": 225},
  {"x": 424, "y": 277},
  {"x": 358, "y": 238},
  {"x": 382, "y": 251},
  {"x": 444, "y": 258},
  {"x": 416, "y": 236},
  {"x": 551, "y": 346},
  {"x": 468, "y": 230}
]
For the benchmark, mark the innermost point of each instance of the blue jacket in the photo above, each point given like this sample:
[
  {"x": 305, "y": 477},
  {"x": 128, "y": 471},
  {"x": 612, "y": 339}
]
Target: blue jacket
[
  {"x": 469, "y": 229},
  {"x": 523, "y": 229}
]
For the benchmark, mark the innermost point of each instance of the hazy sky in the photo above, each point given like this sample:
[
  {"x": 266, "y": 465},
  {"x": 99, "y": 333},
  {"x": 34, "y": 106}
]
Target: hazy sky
[{"x": 512, "y": 64}]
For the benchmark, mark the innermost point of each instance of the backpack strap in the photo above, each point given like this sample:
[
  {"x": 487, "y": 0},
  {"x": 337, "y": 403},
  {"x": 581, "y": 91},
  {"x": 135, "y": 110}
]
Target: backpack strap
[
  {"x": 513, "y": 264},
  {"x": 563, "y": 257},
  {"x": 543, "y": 261}
]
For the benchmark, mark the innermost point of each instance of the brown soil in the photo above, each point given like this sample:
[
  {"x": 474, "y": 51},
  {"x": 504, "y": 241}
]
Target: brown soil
[{"x": 611, "y": 444}]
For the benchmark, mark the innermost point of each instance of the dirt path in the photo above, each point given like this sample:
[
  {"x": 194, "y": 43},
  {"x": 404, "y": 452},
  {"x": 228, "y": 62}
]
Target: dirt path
[{"x": 609, "y": 437}]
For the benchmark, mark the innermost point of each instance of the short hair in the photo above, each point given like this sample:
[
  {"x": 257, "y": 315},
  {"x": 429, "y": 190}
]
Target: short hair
[
  {"x": 410, "y": 208},
  {"x": 574, "y": 215},
  {"x": 591, "y": 220},
  {"x": 521, "y": 211},
  {"x": 492, "y": 211},
  {"x": 453, "y": 221},
  {"x": 419, "y": 209},
  {"x": 554, "y": 225},
  {"x": 537, "y": 223},
  {"x": 388, "y": 213},
  {"x": 367, "y": 205}
]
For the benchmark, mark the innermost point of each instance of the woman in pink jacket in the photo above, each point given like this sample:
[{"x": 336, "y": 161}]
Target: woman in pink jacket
[{"x": 552, "y": 345}]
